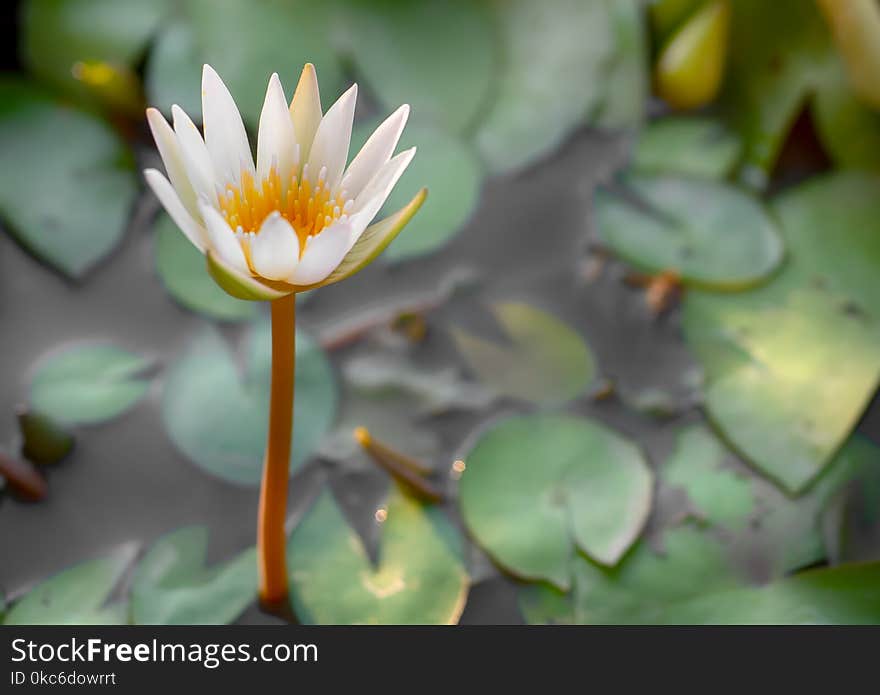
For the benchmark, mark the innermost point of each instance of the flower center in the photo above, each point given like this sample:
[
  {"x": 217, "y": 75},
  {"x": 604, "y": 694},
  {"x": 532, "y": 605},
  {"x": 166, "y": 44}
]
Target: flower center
[{"x": 309, "y": 207}]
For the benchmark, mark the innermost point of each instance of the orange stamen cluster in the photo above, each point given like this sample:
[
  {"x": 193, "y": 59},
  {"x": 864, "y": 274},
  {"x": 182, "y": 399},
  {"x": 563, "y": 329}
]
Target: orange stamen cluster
[{"x": 308, "y": 207}]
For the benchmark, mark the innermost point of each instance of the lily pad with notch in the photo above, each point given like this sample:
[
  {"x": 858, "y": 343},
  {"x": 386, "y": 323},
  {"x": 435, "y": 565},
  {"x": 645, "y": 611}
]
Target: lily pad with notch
[
  {"x": 540, "y": 488},
  {"x": 420, "y": 577}
]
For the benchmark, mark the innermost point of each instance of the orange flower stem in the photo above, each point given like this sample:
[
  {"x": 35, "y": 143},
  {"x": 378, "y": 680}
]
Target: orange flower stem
[{"x": 271, "y": 540}]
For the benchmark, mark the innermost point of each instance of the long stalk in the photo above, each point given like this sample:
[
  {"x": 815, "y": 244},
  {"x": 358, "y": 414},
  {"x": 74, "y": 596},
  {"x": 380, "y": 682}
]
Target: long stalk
[{"x": 271, "y": 540}]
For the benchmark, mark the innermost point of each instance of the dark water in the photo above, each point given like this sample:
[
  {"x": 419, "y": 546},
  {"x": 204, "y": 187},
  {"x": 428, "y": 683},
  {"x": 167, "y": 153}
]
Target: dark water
[{"x": 126, "y": 482}]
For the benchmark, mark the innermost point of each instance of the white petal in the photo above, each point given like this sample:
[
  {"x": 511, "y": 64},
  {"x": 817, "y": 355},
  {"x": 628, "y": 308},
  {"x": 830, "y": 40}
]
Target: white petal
[
  {"x": 225, "y": 135},
  {"x": 377, "y": 150},
  {"x": 196, "y": 159},
  {"x": 276, "y": 142},
  {"x": 305, "y": 110},
  {"x": 330, "y": 148},
  {"x": 323, "y": 253},
  {"x": 371, "y": 199},
  {"x": 169, "y": 150},
  {"x": 174, "y": 207},
  {"x": 221, "y": 239},
  {"x": 275, "y": 249}
]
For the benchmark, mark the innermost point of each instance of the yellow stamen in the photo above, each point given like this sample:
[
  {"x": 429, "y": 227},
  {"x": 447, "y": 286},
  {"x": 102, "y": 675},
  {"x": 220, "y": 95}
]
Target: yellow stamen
[{"x": 309, "y": 207}]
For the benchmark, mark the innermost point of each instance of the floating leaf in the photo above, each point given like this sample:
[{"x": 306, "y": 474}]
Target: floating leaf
[
  {"x": 706, "y": 232},
  {"x": 718, "y": 494},
  {"x": 699, "y": 147},
  {"x": 181, "y": 267},
  {"x": 790, "y": 366},
  {"x": 553, "y": 53},
  {"x": 779, "y": 52},
  {"x": 88, "y": 384},
  {"x": 451, "y": 172},
  {"x": 76, "y": 596},
  {"x": 437, "y": 55},
  {"x": 641, "y": 588},
  {"x": 171, "y": 585},
  {"x": 420, "y": 577},
  {"x": 848, "y": 129},
  {"x": 43, "y": 440},
  {"x": 847, "y": 595},
  {"x": 174, "y": 70},
  {"x": 693, "y": 584},
  {"x": 219, "y": 418},
  {"x": 771, "y": 533},
  {"x": 70, "y": 214},
  {"x": 59, "y": 34},
  {"x": 247, "y": 41},
  {"x": 546, "y": 361},
  {"x": 537, "y": 488},
  {"x": 627, "y": 80}
]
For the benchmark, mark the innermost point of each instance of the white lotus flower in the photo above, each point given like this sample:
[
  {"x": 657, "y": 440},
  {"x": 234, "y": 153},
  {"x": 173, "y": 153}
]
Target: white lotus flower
[{"x": 297, "y": 219}]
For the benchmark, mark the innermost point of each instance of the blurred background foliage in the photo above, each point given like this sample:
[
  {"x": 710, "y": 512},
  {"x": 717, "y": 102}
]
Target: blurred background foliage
[{"x": 705, "y": 457}]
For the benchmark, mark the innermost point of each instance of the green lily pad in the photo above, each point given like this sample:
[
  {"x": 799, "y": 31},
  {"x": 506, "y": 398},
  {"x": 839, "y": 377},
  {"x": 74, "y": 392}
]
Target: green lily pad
[
  {"x": 171, "y": 585},
  {"x": 219, "y": 418},
  {"x": 437, "y": 55},
  {"x": 846, "y": 595},
  {"x": 545, "y": 362},
  {"x": 173, "y": 73},
  {"x": 779, "y": 53},
  {"x": 699, "y": 147},
  {"x": 790, "y": 366},
  {"x": 719, "y": 495},
  {"x": 709, "y": 233},
  {"x": 57, "y": 34},
  {"x": 641, "y": 588},
  {"x": 772, "y": 533},
  {"x": 553, "y": 55},
  {"x": 420, "y": 577},
  {"x": 451, "y": 172},
  {"x": 539, "y": 488},
  {"x": 181, "y": 267},
  {"x": 245, "y": 42},
  {"x": 89, "y": 384},
  {"x": 849, "y": 130},
  {"x": 627, "y": 80},
  {"x": 73, "y": 212},
  {"x": 693, "y": 584},
  {"x": 77, "y": 595}
]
